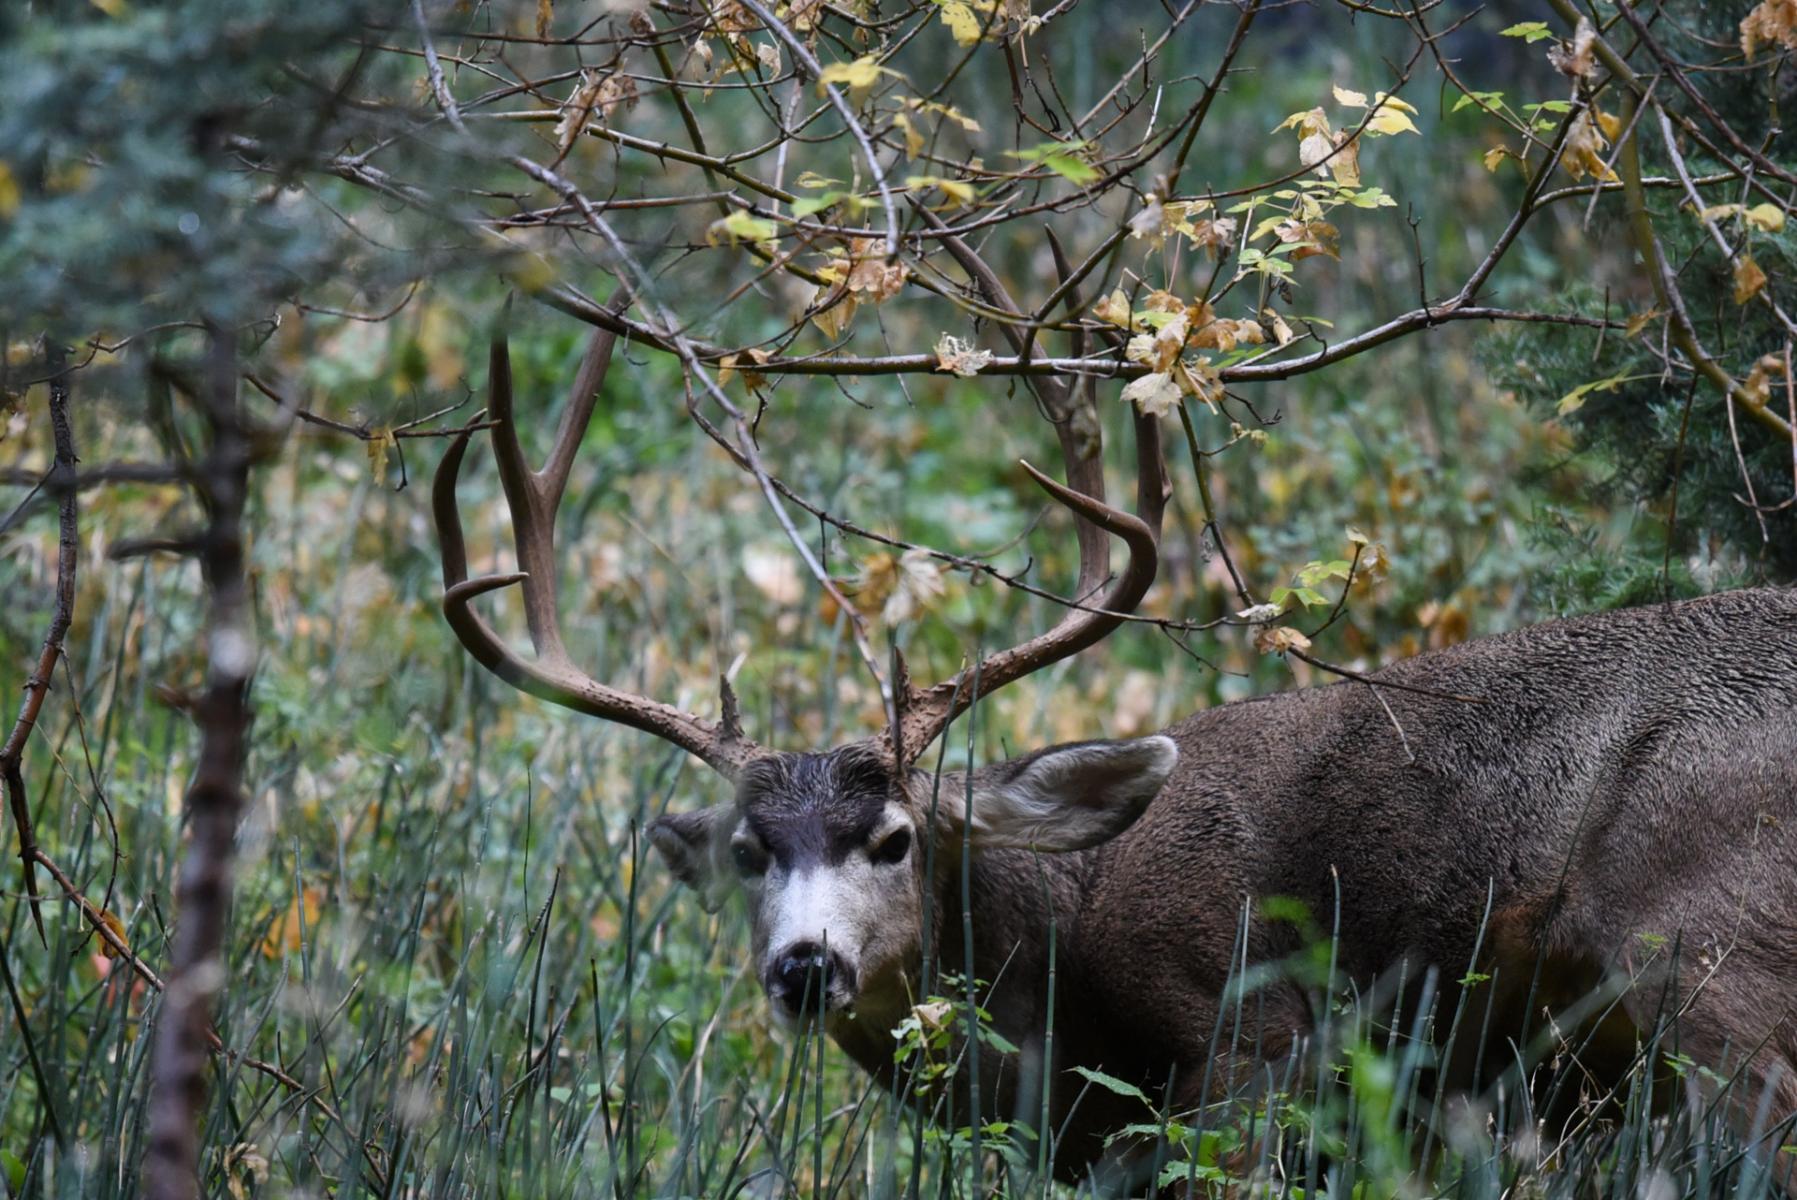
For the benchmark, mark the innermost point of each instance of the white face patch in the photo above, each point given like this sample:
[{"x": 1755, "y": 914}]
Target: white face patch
[{"x": 864, "y": 913}]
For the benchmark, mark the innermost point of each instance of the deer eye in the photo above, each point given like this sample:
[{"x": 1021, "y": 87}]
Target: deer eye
[
  {"x": 749, "y": 858},
  {"x": 892, "y": 850}
]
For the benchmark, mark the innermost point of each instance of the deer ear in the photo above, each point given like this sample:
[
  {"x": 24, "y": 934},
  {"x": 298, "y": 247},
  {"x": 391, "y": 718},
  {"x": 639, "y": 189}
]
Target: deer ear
[
  {"x": 1067, "y": 797},
  {"x": 692, "y": 844}
]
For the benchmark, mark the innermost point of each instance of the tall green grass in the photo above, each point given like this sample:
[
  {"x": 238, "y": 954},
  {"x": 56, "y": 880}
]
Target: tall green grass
[{"x": 458, "y": 949}]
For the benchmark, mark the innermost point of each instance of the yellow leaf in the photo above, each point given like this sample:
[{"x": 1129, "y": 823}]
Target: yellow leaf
[
  {"x": 116, "y": 928},
  {"x": 1282, "y": 333},
  {"x": 1350, "y": 98},
  {"x": 945, "y": 111},
  {"x": 1277, "y": 639},
  {"x": 858, "y": 76},
  {"x": 1495, "y": 156},
  {"x": 1718, "y": 212},
  {"x": 1639, "y": 321},
  {"x": 1769, "y": 218},
  {"x": 1574, "y": 400},
  {"x": 530, "y": 272},
  {"x": 961, "y": 23},
  {"x": 1582, "y": 153},
  {"x": 958, "y": 190},
  {"x": 1759, "y": 381},
  {"x": 1387, "y": 100},
  {"x": 1357, "y": 536},
  {"x": 835, "y": 309},
  {"x": 9, "y": 190},
  {"x": 741, "y": 226},
  {"x": 1309, "y": 123},
  {"x": 380, "y": 440},
  {"x": 1113, "y": 309},
  {"x": 1390, "y": 119},
  {"x": 870, "y": 273},
  {"x": 283, "y": 936},
  {"x": 1749, "y": 279},
  {"x": 752, "y": 379},
  {"x": 545, "y": 17},
  {"x": 913, "y": 137},
  {"x": 1198, "y": 377}
]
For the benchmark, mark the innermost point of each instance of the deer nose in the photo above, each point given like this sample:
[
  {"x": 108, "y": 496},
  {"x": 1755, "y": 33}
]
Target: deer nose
[{"x": 807, "y": 976}]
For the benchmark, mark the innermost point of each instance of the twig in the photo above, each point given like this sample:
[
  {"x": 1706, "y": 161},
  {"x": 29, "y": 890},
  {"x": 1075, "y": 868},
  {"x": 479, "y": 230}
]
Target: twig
[{"x": 37, "y": 685}]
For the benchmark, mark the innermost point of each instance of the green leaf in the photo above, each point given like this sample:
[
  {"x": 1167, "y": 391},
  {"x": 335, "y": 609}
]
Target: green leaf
[
  {"x": 997, "y": 1041},
  {"x": 1111, "y": 1083},
  {"x": 1063, "y": 159},
  {"x": 804, "y": 206},
  {"x": 1529, "y": 31},
  {"x": 15, "y": 1172},
  {"x": 1574, "y": 400},
  {"x": 1313, "y": 573},
  {"x": 740, "y": 226},
  {"x": 1488, "y": 99}
]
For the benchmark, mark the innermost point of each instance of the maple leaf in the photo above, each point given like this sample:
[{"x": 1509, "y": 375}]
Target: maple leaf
[
  {"x": 1215, "y": 234},
  {"x": 1585, "y": 142},
  {"x": 914, "y": 140},
  {"x": 1758, "y": 384},
  {"x": 1154, "y": 394},
  {"x": 1224, "y": 334},
  {"x": 961, "y": 22},
  {"x": 1277, "y": 639},
  {"x": 741, "y": 226},
  {"x": 832, "y": 309},
  {"x": 1390, "y": 113},
  {"x": 1282, "y": 333},
  {"x": 1309, "y": 238},
  {"x": 752, "y": 379},
  {"x": 918, "y": 584},
  {"x": 1114, "y": 309},
  {"x": 858, "y": 76},
  {"x": 871, "y": 273},
  {"x": 595, "y": 92},
  {"x": 1770, "y": 21},
  {"x": 1151, "y": 223},
  {"x": 1197, "y": 377},
  {"x": 960, "y": 357},
  {"x": 1749, "y": 279},
  {"x": 1344, "y": 168},
  {"x": 1574, "y": 58},
  {"x": 1160, "y": 349}
]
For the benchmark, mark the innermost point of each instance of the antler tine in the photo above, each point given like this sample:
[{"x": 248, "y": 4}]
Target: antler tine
[
  {"x": 930, "y": 711},
  {"x": 533, "y": 497},
  {"x": 1073, "y": 411}
]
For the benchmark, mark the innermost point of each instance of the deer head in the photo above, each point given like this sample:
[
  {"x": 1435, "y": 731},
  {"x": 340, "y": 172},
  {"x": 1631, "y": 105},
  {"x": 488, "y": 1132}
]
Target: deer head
[{"x": 827, "y": 847}]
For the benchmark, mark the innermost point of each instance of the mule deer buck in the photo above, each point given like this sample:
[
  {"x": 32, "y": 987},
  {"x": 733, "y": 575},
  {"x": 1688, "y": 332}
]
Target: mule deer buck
[{"x": 1617, "y": 797}]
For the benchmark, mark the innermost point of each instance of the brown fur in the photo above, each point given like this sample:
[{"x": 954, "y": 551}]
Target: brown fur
[{"x": 1623, "y": 797}]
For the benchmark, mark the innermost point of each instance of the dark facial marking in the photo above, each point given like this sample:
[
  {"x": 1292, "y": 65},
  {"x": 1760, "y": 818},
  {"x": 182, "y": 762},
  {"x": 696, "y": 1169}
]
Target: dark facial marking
[{"x": 815, "y": 808}]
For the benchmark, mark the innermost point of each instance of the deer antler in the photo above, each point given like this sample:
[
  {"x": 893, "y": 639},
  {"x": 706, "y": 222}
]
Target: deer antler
[
  {"x": 533, "y": 497},
  {"x": 922, "y": 714}
]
